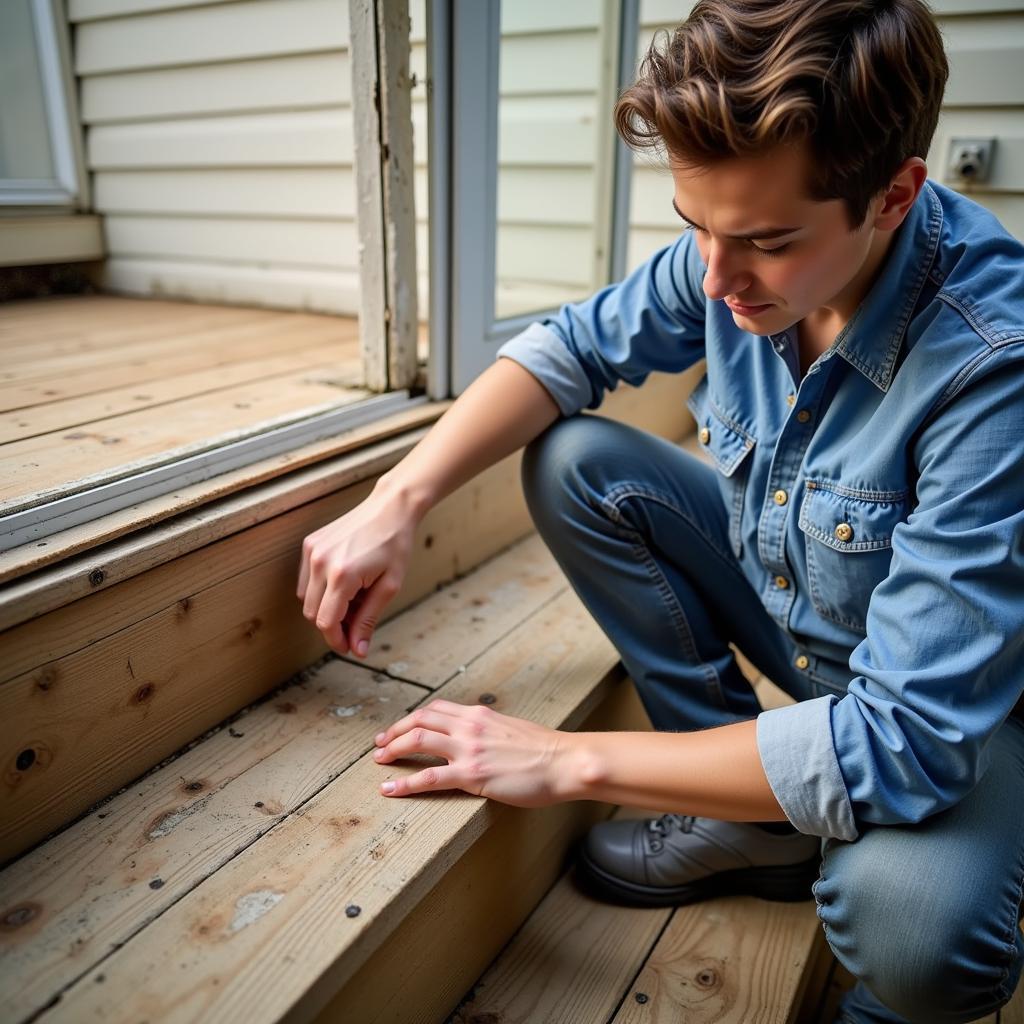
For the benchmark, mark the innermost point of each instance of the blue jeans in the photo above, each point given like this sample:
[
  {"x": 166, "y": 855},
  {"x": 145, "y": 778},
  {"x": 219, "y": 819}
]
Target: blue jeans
[{"x": 925, "y": 915}]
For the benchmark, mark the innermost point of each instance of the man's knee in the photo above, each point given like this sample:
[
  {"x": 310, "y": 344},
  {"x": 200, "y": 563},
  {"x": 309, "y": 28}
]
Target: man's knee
[
  {"x": 555, "y": 462},
  {"x": 924, "y": 948}
]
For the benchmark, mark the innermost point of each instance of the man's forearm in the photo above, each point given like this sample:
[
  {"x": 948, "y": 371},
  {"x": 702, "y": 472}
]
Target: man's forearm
[{"x": 714, "y": 773}]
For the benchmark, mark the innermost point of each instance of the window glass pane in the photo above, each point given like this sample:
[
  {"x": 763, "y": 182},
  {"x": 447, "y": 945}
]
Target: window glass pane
[
  {"x": 24, "y": 137},
  {"x": 550, "y": 134}
]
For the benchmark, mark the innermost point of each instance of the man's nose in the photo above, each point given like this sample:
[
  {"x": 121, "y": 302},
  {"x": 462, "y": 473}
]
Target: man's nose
[{"x": 726, "y": 274}]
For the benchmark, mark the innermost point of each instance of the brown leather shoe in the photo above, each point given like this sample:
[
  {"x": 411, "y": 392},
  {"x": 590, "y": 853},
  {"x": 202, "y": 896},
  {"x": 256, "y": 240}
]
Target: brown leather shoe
[{"x": 678, "y": 859}]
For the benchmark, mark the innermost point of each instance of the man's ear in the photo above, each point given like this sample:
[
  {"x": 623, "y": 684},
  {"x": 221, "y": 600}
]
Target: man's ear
[{"x": 906, "y": 185}]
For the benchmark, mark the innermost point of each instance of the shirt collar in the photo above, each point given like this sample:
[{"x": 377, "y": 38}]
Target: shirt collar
[{"x": 871, "y": 339}]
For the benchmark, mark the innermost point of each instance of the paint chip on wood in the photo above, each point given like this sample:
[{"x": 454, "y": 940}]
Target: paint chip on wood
[{"x": 252, "y": 906}]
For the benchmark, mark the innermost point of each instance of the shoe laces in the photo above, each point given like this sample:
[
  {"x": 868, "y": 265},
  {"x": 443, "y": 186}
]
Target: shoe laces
[{"x": 662, "y": 825}]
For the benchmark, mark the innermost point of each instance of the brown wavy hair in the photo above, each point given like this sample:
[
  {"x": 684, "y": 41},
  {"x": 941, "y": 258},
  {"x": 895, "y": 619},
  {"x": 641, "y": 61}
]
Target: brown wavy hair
[{"x": 860, "y": 81}]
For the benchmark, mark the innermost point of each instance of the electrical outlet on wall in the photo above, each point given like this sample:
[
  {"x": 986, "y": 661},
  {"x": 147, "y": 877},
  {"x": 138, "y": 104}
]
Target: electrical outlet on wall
[{"x": 969, "y": 160}]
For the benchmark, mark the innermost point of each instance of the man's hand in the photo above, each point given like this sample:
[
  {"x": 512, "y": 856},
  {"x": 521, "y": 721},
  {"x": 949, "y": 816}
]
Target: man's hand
[
  {"x": 489, "y": 754},
  {"x": 352, "y": 567}
]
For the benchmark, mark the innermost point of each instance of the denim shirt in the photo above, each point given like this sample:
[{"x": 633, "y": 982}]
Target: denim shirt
[{"x": 886, "y": 486}]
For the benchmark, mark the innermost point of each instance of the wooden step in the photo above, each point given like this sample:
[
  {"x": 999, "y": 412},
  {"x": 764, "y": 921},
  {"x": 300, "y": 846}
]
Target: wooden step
[
  {"x": 256, "y": 874},
  {"x": 577, "y": 960}
]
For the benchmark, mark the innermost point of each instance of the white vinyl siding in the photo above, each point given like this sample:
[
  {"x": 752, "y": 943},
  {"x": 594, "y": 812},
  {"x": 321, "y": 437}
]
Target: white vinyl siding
[
  {"x": 219, "y": 135},
  {"x": 220, "y": 140}
]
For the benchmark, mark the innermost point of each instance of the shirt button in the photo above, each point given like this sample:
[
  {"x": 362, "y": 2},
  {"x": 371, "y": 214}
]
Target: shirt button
[
  {"x": 803, "y": 415},
  {"x": 790, "y": 399},
  {"x": 802, "y": 661},
  {"x": 781, "y": 582},
  {"x": 781, "y": 497},
  {"x": 844, "y": 532},
  {"x": 705, "y": 435}
]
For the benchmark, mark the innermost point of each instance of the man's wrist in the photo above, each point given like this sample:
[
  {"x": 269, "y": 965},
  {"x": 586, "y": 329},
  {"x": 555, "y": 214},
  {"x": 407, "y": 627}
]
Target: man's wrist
[
  {"x": 411, "y": 496},
  {"x": 576, "y": 766}
]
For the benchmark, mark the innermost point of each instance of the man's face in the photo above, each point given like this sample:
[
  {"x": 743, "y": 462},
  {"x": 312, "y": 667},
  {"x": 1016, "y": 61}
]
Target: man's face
[{"x": 799, "y": 258}]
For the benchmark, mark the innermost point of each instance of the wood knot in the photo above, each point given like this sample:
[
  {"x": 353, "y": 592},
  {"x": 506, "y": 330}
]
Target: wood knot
[
  {"x": 252, "y": 627},
  {"x": 287, "y": 708},
  {"x": 19, "y": 916},
  {"x": 707, "y": 978},
  {"x": 143, "y": 693},
  {"x": 38, "y": 756},
  {"x": 184, "y": 605},
  {"x": 194, "y": 787},
  {"x": 46, "y": 678}
]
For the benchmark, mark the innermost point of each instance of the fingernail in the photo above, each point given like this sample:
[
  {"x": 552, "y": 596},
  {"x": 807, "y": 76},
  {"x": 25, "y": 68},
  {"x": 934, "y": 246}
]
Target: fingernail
[
  {"x": 388, "y": 787},
  {"x": 364, "y": 646},
  {"x": 379, "y": 739}
]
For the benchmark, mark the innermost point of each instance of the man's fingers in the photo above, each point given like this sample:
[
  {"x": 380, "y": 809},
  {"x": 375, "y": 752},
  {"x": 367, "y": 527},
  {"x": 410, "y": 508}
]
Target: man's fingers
[
  {"x": 365, "y": 616},
  {"x": 444, "y": 777},
  {"x": 417, "y": 741},
  {"x": 333, "y": 608},
  {"x": 438, "y": 715}
]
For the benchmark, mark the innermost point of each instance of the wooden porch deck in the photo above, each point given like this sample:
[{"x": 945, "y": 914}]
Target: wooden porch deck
[{"x": 93, "y": 385}]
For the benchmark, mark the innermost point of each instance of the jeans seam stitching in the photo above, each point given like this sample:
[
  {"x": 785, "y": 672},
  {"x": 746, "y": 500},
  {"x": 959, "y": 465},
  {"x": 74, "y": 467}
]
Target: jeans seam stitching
[
  {"x": 621, "y": 491},
  {"x": 676, "y": 612}
]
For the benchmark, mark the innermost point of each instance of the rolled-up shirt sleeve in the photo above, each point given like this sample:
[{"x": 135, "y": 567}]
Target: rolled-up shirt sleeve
[
  {"x": 654, "y": 319},
  {"x": 942, "y": 663}
]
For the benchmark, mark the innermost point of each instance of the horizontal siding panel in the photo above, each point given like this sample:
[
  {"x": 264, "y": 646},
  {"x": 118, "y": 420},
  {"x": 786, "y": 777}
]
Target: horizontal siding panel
[
  {"x": 1009, "y": 210},
  {"x": 560, "y": 256},
  {"x": 327, "y": 245},
  {"x": 89, "y": 10},
  {"x": 259, "y": 85},
  {"x": 546, "y": 196},
  {"x": 943, "y": 7},
  {"x": 517, "y": 298},
  {"x": 663, "y": 12},
  {"x": 986, "y": 77},
  {"x": 650, "y": 201},
  {"x": 50, "y": 239},
  {"x": 299, "y": 138},
  {"x": 316, "y": 291},
  {"x": 644, "y": 243},
  {"x": 534, "y": 132},
  {"x": 559, "y": 131},
  {"x": 238, "y": 31},
  {"x": 545, "y": 65},
  {"x": 307, "y": 192},
  {"x": 529, "y": 17}
]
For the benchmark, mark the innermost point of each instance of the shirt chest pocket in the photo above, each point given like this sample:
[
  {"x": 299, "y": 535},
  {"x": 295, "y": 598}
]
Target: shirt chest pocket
[
  {"x": 729, "y": 446},
  {"x": 848, "y": 540}
]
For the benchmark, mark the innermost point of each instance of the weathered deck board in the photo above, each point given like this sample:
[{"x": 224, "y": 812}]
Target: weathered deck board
[
  {"x": 37, "y": 383},
  {"x": 571, "y": 962},
  {"x": 736, "y": 959},
  {"x": 425, "y": 644},
  {"x": 73, "y": 412},
  {"x": 53, "y": 463},
  {"x": 78, "y": 333}
]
